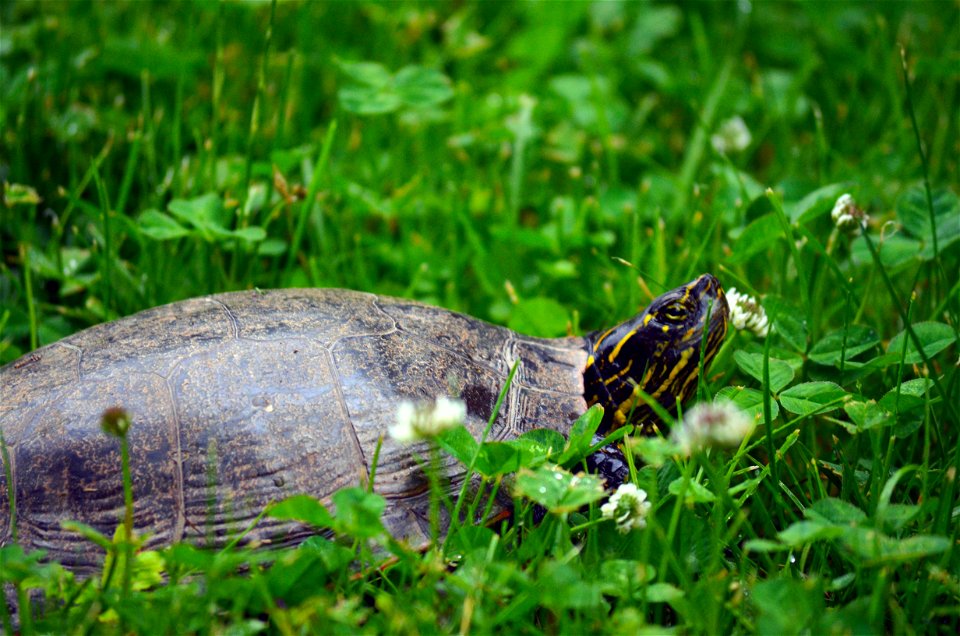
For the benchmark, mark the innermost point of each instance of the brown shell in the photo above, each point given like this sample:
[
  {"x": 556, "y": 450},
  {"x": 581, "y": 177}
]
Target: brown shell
[{"x": 245, "y": 398}]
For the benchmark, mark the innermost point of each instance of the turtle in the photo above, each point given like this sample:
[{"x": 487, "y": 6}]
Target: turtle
[{"x": 244, "y": 398}]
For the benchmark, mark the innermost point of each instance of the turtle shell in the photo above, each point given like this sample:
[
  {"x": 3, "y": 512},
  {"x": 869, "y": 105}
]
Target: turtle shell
[{"x": 245, "y": 398}]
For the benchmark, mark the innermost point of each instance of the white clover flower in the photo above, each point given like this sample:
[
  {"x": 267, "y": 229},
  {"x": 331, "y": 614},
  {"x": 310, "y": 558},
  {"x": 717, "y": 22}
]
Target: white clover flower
[
  {"x": 732, "y": 136},
  {"x": 628, "y": 508},
  {"x": 747, "y": 313},
  {"x": 403, "y": 430},
  {"x": 848, "y": 216},
  {"x": 425, "y": 420},
  {"x": 448, "y": 413},
  {"x": 707, "y": 424}
]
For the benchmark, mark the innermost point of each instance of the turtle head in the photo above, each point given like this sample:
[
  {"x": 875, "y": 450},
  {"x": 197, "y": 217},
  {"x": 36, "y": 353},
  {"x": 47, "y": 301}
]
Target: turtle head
[{"x": 657, "y": 352}]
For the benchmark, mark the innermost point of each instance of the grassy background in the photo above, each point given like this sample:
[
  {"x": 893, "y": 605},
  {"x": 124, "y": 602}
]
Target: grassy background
[
  {"x": 129, "y": 106},
  {"x": 548, "y": 167}
]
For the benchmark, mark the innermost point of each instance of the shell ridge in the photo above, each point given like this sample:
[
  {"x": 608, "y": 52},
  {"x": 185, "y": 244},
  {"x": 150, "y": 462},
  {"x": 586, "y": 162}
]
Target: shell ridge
[
  {"x": 77, "y": 369},
  {"x": 456, "y": 352},
  {"x": 434, "y": 343},
  {"x": 330, "y": 345},
  {"x": 375, "y": 303},
  {"x": 180, "y": 499},
  {"x": 338, "y": 390},
  {"x": 234, "y": 322},
  {"x": 540, "y": 389},
  {"x": 509, "y": 354},
  {"x": 8, "y": 532},
  {"x": 553, "y": 344},
  {"x": 510, "y": 357}
]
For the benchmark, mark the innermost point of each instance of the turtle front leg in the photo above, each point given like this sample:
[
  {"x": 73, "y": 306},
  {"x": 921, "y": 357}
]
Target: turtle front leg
[{"x": 610, "y": 463}]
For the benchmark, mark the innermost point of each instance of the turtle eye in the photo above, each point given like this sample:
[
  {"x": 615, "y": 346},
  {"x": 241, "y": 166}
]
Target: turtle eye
[{"x": 672, "y": 313}]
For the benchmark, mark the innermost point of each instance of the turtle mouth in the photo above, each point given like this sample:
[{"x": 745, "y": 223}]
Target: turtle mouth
[{"x": 710, "y": 311}]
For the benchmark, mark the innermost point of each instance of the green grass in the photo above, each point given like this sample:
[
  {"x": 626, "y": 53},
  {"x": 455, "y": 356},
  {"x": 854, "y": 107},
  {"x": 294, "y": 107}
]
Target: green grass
[{"x": 549, "y": 168}]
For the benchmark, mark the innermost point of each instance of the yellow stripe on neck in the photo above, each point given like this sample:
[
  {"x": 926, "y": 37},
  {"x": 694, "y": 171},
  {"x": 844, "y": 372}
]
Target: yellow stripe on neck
[{"x": 616, "y": 350}]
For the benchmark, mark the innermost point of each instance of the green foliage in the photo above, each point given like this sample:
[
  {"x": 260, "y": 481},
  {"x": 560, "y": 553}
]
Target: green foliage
[
  {"x": 375, "y": 91},
  {"x": 557, "y": 490},
  {"x": 933, "y": 337},
  {"x": 302, "y": 508},
  {"x": 550, "y": 169}
]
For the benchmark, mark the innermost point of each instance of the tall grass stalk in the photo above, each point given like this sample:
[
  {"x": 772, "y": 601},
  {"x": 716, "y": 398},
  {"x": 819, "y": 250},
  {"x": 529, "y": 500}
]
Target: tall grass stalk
[
  {"x": 151, "y": 177},
  {"x": 698, "y": 142},
  {"x": 32, "y": 318},
  {"x": 309, "y": 203},
  {"x": 136, "y": 140},
  {"x": 64, "y": 222},
  {"x": 256, "y": 115},
  {"x": 128, "y": 536},
  {"x": 107, "y": 252},
  {"x": 908, "y": 327},
  {"x": 908, "y": 94},
  {"x": 468, "y": 475}
]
